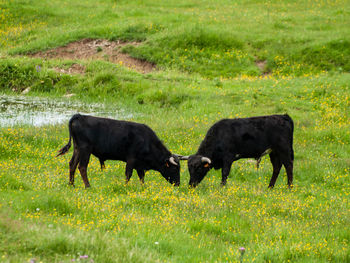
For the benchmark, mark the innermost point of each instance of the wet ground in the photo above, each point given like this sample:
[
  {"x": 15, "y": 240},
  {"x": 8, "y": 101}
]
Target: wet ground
[{"x": 22, "y": 110}]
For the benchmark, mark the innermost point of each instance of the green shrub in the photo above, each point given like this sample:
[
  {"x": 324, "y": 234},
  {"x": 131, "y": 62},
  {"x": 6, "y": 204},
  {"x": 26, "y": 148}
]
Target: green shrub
[
  {"x": 16, "y": 77},
  {"x": 102, "y": 85},
  {"x": 202, "y": 38},
  {"x": 329, "y": 56},
  {"x": 199, "y": 50},
  {"x": 138, "y": 32},
  {"x": 163, "y": 98}
]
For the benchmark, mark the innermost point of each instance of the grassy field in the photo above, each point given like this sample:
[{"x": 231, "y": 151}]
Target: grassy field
[{"x": 214, "y": 60}]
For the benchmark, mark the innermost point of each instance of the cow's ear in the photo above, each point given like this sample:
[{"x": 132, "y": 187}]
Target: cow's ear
[
  {"x": 166, "y": 164},
  {"x": 206, "y": 165}
]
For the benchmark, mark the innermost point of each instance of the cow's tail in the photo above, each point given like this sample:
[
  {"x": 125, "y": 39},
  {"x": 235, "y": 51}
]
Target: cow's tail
[
  {"x": 66, "y": 148},
  {"x": 291, "y": 135}
]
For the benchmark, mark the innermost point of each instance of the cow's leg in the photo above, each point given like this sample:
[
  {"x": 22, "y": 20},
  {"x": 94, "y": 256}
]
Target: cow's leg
[
  {"x": 102, "y": 163},
  {"x": 276, "y": 164},
  {"x": 128, "y": 170},
  {"x": 225, "y": 171},
  {"x": 141, "y": 174},
  {"x": 288, "y": 164},
  {"x": 289, "y": 169},
  {"x": 83, "y": 163},
  {"x": 73, "y": 166}
]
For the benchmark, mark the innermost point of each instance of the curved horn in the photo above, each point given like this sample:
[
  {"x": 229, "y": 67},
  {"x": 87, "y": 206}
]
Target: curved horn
[
  {"x": 172, "y": 160},
  {"x": 205, "y": 160},
  {"x": 183, "y": 157}
]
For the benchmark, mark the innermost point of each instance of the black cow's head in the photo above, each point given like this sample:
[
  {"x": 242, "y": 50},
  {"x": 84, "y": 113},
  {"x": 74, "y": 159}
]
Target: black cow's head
[
  {"x": 198, "y": 167},
  {"x": 171, "y": 170}
]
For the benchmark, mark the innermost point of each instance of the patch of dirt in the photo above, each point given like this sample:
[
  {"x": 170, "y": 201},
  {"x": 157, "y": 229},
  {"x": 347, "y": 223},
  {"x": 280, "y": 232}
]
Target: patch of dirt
[
  {"x": 261, "y": 65},
  {"x": 91, "y": 49}
]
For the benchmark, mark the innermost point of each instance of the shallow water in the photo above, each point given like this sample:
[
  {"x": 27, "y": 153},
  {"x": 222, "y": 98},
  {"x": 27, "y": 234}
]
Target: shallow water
[{"x": 22, "y": 110}]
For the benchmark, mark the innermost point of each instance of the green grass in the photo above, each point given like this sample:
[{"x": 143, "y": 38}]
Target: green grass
[
  {"x": 299, "y": 37},
  {"x": 206, "y": 53}
]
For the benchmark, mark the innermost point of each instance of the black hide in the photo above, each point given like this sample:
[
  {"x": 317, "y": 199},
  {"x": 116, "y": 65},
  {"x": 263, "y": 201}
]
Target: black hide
[
  {"x": 108, "y": 139},
  {"x": 231, "y": 139}
]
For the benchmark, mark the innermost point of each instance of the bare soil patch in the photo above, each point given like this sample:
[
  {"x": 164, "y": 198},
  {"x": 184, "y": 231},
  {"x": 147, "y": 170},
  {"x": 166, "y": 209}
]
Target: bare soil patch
[
  {"x": 92, "y": 49},
  {"x": 261, "y": 64}
]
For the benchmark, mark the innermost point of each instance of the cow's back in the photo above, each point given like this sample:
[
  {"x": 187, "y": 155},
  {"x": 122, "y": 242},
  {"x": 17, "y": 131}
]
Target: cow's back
[
  {"x": 110, "y": 139},
  {"x": 247, "y": 137},
  {"x": 105, "y": 138}
]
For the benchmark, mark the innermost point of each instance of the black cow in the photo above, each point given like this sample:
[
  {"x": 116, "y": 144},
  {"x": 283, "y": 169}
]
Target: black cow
[
  {"x": 107, "y": 139},
  {"x": 231, "y": 139}
]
